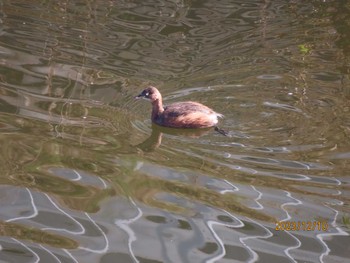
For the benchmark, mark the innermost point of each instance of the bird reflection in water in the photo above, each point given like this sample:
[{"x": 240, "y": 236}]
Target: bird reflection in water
[{"x": 155, "y": 139}]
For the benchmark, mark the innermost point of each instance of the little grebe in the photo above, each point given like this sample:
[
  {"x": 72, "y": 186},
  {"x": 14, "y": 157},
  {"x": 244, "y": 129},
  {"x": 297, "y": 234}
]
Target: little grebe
[{"x": 186, "y": 114}]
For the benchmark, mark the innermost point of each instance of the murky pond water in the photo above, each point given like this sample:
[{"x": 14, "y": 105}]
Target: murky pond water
[{"x": 86, "y": 177}]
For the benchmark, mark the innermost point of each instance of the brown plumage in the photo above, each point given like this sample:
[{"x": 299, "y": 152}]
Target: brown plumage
[{"x": 187, "y": 114}]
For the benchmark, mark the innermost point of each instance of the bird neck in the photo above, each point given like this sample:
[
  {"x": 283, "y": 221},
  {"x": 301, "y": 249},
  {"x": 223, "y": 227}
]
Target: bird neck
[{"x": 157, "y": 108}]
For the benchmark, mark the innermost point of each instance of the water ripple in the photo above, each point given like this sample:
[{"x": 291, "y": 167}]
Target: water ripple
[{"x": 88, "y": 178}]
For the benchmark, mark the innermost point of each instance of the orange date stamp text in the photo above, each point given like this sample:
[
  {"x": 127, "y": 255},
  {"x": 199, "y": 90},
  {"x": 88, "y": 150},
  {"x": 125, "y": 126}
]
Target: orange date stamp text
[{"x": 301, "y": 226}]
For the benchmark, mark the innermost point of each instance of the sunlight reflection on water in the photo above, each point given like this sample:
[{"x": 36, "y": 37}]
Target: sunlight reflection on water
[{"x": 87, "y": 177}]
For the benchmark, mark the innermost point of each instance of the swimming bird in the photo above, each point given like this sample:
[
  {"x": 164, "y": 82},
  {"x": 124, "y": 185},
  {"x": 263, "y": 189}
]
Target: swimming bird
[{"x": 187, "y": 114}]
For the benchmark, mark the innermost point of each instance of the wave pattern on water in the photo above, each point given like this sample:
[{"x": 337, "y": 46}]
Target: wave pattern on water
[
  {"x": 85, "y": 175},
  {"x": 96, "y": 236}
]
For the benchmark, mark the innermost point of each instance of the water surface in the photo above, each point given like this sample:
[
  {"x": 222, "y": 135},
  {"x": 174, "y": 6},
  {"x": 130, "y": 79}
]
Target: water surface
[{"x": 85, "y": 175}]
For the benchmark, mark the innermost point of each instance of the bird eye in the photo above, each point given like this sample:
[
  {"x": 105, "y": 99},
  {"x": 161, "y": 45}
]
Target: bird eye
[{"x": 147, "y": 94}]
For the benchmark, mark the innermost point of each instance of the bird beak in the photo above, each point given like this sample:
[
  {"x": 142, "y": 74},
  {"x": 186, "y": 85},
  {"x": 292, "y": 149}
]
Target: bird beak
[{"x": 138, "y": 97}]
